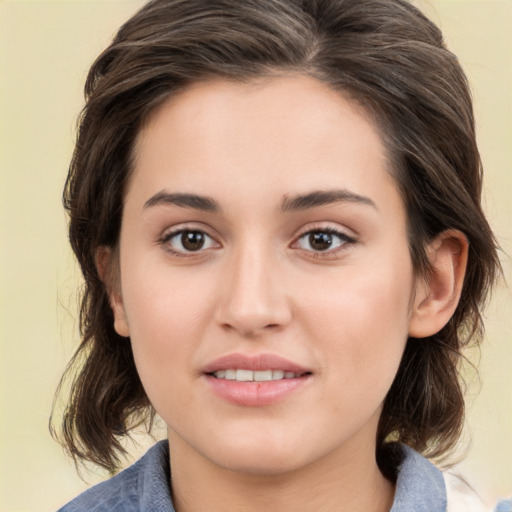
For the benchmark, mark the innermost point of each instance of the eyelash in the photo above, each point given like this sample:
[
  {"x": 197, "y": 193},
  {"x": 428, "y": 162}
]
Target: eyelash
[
  {"x": 342, "y": 237},
  {"x": 343, "y": 241},
  {"x": 167, "y": 237}
]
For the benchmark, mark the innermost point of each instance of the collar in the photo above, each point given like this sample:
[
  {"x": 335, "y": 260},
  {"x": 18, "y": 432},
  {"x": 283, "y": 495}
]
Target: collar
[
  {"x": 420, "y": 485},
  {"x": 145, "y": 486}
]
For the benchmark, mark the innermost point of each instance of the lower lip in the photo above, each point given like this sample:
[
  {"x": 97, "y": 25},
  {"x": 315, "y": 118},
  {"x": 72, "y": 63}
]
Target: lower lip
[{"x": 255, "y": 394}]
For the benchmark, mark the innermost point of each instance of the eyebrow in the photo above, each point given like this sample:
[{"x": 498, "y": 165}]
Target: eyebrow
[
  {"x": 295, "y": 203},
  {"x": 194, "y": 201},
  {"x": 322, "y": 198}
]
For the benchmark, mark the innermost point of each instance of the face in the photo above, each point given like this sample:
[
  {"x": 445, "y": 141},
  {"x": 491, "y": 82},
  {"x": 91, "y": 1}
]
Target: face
[{"x": 263, "y": 237}]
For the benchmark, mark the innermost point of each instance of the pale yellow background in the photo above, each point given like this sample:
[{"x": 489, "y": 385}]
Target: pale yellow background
[{"x": 46, "y": 48}]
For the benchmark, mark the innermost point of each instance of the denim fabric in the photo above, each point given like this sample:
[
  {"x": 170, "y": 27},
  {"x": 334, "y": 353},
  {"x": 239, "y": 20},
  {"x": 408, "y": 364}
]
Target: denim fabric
[
  {"x": 419, "y": 486},
  {"x": 504, "y": 506},
  {"x": 144, "y": 487}
]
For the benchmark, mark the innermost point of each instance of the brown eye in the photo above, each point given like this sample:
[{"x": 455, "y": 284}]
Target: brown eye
[
  {"x": 192, "y": 240},
  {"x": 186, "y": 241},
  {"x": 323, "y": 240},
  {"x": 320, "y": 241}
]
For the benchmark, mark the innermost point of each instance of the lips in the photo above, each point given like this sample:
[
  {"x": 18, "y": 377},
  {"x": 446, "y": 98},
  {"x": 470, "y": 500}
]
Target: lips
[
  {"x": 256, "y": 362},
  {"x": 254, "y": 380},
  {"x": 242, "y": 375}
]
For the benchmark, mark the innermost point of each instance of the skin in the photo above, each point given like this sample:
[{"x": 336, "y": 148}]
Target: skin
[{"x": 258, "y": 285}]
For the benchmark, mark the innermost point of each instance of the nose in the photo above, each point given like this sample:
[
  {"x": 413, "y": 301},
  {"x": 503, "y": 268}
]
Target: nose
[{"x": 253, "y": 298}]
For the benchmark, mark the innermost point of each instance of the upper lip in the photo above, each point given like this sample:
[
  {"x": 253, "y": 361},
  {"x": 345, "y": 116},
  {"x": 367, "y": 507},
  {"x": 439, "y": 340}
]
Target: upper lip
[{"x": 255, "y": 362}]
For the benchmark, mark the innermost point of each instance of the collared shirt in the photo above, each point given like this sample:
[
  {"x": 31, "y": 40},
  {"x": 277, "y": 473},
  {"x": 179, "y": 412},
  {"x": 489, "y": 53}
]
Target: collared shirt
[{"x": 144, "y": 487}]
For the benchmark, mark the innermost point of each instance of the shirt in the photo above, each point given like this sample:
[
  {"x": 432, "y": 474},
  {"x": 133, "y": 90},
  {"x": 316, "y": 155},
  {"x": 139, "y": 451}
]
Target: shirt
[{"x": 145, "y": 487}]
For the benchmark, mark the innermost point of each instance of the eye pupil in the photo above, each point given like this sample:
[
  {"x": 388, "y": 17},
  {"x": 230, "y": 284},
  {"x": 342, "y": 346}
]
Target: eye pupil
[
  {"x": 320, "y": 241},
  {"x": 192, "y": 240}
]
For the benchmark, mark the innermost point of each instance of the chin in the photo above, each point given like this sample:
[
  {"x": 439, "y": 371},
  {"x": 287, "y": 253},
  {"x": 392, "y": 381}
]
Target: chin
[
  {"x": 261, "y": 464},
  {"x": 263, "y": 456}
]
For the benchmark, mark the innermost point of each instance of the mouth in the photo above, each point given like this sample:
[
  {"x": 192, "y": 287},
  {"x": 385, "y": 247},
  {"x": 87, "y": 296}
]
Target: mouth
[
  {"x": 254, "y": 367},
  {"x": 255, "y": 380},
  {"x": 243, "y": 375}
]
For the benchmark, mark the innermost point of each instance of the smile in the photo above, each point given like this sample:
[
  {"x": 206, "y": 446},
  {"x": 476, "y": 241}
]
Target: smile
[
  {"x": 255, "y": 380},
  {"x": 241, "y": 375}
]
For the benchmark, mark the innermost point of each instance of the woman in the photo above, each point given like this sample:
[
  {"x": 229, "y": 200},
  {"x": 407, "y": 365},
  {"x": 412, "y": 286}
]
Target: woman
[{"x": 276, "y": 208}]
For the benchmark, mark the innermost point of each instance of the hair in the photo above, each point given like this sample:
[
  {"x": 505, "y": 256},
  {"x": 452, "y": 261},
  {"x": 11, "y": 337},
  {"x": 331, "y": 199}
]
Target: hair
[{"x": 389, "y": 59}]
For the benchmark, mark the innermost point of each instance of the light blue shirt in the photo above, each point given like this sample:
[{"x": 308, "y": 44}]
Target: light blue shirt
[{"x": 144, "y": 487}]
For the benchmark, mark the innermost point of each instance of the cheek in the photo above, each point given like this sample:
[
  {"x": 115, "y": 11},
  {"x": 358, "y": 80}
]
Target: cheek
[
  {"x": 359, "y": 321},
  {"x": 167, "y": 316}
]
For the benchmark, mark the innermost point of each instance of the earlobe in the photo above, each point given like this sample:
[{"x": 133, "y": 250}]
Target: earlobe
[
  {"x": 437, "y": 296},
  {"x": 108, "y": 269},
  {"x": 120, "y": 320}
]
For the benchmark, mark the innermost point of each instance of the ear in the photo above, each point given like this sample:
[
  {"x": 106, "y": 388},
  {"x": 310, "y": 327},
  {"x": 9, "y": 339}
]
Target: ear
[
  {"x": 107, "y": 264},
  {"x": 437, "y": 297}
]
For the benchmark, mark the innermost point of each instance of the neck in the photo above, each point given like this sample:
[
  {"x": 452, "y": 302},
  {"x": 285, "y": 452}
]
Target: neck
[{"x": 338, "y": 482}]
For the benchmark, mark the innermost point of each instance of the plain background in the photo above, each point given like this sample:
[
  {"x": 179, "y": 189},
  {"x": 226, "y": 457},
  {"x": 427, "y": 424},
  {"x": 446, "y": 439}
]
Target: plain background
[{"x": 46, "y": 48}]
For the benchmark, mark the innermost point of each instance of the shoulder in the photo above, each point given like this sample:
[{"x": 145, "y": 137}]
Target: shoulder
[
  {"x": 142, "y": 486},
  {"x": 462, "y": 497},
  {"x": 423, "y": 487},
  {"x": 419, "y": 484},
  {"x": 504, "y": 506}
]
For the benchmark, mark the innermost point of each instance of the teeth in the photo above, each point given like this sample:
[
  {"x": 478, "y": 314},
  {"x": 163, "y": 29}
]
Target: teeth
[
  {"x": 263, "y": 375},
  {"x": 230, "y": 374},
  {"x": 244, "y": 375},
  {"x": 254, "y": 376}
]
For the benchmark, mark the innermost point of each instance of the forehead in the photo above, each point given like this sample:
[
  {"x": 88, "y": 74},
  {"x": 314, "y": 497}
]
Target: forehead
[{"x": 282, "y": 134}]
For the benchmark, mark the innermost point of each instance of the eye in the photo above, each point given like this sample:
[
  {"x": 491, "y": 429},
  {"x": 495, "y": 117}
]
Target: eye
[
  {"x": 323, "y": 240},
  {"x": 186, "y": 241}
]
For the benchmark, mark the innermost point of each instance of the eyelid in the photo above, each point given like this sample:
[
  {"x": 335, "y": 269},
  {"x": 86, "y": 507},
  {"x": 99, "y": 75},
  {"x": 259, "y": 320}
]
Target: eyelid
[
  {"x": 328, "y": 227},
  {"x": 173, "y": 231},
  {"x": 348, "y": 240}
]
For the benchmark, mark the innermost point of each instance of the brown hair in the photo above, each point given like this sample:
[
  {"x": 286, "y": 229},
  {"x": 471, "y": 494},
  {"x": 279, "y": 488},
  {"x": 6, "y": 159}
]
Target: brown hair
[{"x": 390, "y": 59}]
